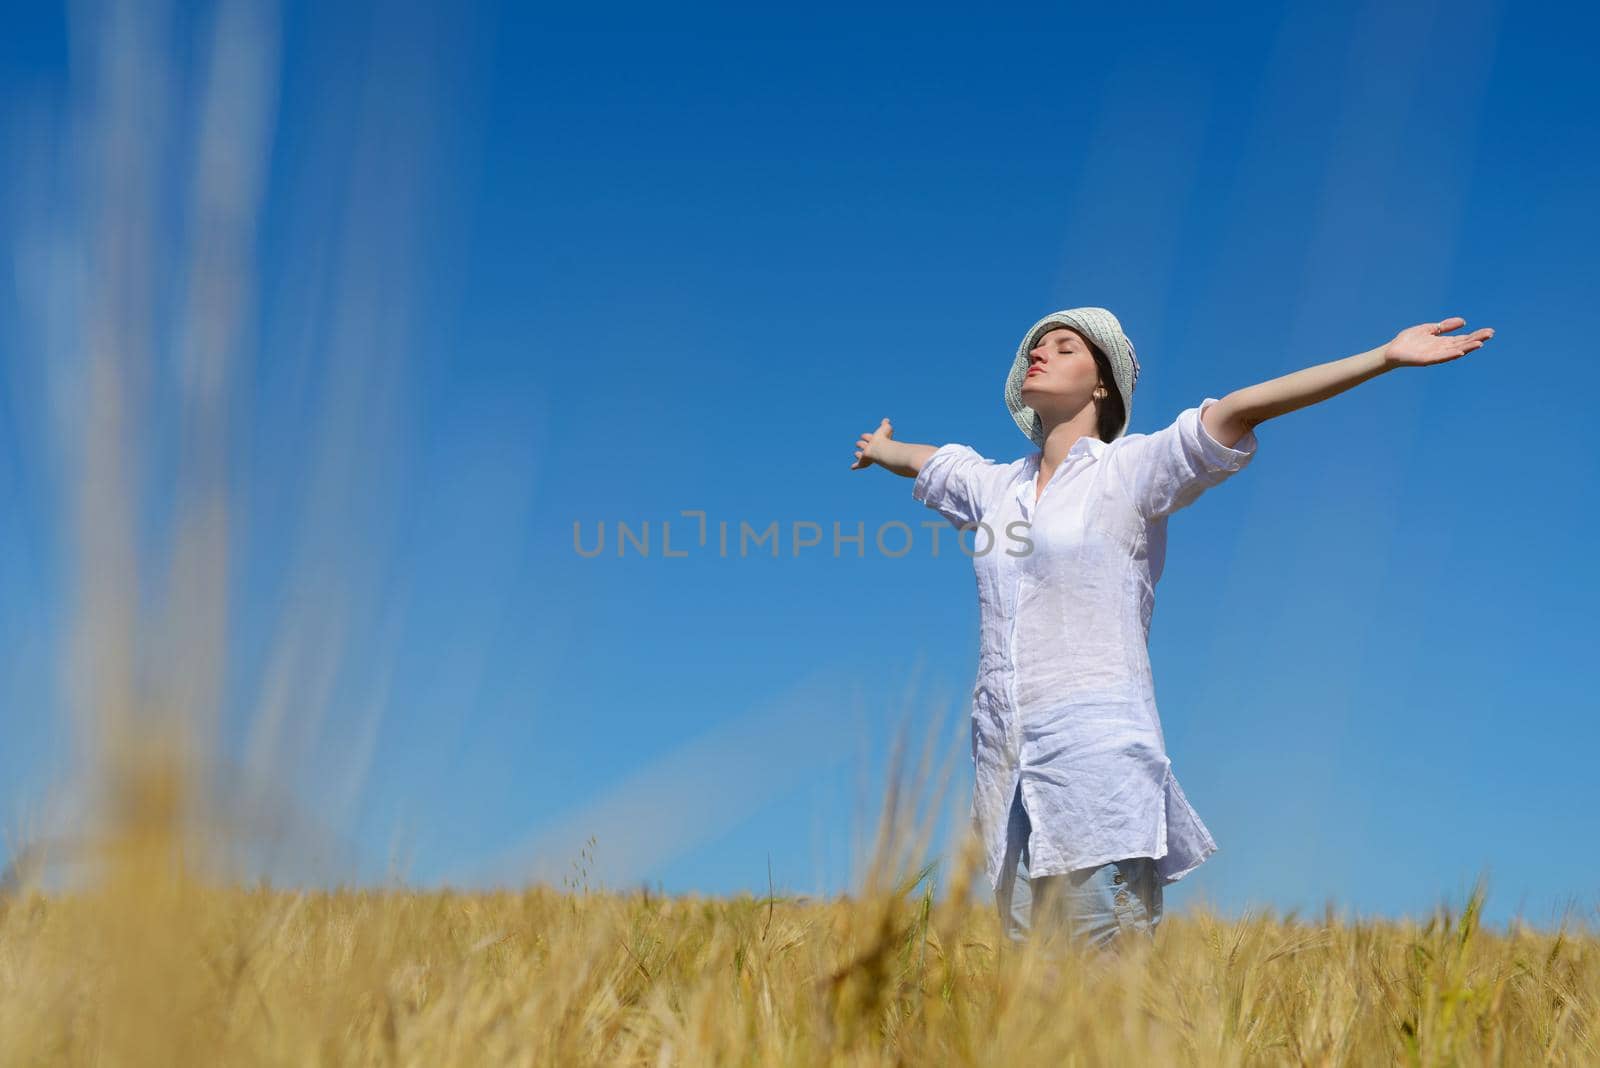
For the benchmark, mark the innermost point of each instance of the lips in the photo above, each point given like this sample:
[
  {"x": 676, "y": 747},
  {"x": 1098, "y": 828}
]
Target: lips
[{"x": 1033, "y": 371}]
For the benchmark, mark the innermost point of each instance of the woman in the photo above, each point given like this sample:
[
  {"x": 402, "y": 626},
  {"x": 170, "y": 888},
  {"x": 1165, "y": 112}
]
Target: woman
[{"x": 1074, "y": 798}]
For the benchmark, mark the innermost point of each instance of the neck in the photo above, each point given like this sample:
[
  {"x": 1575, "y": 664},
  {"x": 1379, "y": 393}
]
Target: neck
[{"x": 1060, "y": 437}]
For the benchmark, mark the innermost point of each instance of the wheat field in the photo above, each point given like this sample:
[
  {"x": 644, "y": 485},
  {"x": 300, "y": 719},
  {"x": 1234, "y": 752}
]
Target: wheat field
[{"x": 151, "y": 961}]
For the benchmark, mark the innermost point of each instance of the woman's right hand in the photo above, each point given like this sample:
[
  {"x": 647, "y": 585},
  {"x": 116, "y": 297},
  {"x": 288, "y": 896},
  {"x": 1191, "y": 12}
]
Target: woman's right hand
[{"x": 867, "y": 446}]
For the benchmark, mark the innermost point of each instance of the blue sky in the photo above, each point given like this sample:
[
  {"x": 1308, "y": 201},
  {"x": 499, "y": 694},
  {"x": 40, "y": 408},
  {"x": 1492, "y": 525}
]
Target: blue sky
[{"x": 516, "y": 269}]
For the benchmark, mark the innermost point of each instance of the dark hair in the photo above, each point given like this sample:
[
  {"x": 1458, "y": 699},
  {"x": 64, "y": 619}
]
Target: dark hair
[{"x": 1112, "y": 411}]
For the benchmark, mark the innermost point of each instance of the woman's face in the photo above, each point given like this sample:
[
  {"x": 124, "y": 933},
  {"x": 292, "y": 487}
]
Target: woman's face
[{"x": 1061, "y": 374}]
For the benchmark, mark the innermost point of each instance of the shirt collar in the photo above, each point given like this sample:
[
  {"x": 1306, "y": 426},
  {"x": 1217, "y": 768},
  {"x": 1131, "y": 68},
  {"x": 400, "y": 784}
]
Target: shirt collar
[
  {"x": 1088, "y": 443},
  {"x": 1093, "y": 445}
]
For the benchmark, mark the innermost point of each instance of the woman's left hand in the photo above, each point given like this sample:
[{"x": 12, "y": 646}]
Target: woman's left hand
[{"x": 1429, "y": 343}]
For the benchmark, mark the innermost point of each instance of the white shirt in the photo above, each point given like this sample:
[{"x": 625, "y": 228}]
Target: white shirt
[{"x": 1064, "y": 696}]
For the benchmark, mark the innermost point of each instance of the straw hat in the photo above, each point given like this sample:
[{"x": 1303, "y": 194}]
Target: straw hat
[{"x": 1099, "y": 326}]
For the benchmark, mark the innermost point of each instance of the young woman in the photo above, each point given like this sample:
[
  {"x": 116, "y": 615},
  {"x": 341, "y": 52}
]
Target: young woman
[{"x": 1082, "y": 820}]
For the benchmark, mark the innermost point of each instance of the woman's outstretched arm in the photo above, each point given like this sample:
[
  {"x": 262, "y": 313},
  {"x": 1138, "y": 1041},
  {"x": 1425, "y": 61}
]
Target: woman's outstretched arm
[
  {"x": 901, "y": 457},
  {"x": 1419, "y": 346}
]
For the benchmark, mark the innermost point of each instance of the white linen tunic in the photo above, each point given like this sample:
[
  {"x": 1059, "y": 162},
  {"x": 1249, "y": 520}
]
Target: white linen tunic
[{"x": 1064, "y": 699}]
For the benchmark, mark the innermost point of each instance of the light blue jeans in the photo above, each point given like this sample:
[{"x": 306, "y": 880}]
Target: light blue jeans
[{"x": 1096, "y": 905}]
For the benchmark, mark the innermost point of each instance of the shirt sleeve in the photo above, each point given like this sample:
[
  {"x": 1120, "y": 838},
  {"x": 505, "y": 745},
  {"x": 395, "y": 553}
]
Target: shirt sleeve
[
  {"x": 959, "y": 484},
  {"x": 1169, "y": 469}
]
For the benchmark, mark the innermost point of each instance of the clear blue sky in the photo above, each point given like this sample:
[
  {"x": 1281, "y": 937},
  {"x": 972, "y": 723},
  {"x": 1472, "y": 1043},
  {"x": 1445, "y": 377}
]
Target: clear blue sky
[{"x": 520, "y": 268}]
